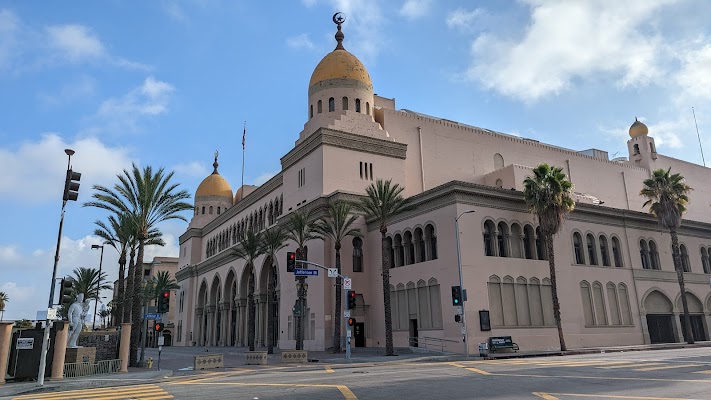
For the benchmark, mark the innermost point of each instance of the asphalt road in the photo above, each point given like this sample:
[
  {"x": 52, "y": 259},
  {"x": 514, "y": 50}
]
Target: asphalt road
[{"x": 659, "y": 375}]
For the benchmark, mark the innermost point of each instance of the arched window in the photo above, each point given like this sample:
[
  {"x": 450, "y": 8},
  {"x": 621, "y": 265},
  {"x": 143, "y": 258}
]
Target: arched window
[
  {"x": 578, "y": 248},
  {"x": 528, "y": 242},
  {"x": 203, "y": 210},
  {"x": 331, "y": 104},
  {"x": 357, "y": 254},
  {"x": 604, "y": 253},
  {"x": 345, "y": 103},
  {"x": 636, "y": 149},
  {"x": 498, "y": 161},
  {"x": 218, "y": 210},
  {"x": 616, "y": 252},
  {"x": 399, "y": 252},
  {"x": 644, "y": 254},
  {"x": 311, "y": 111},
  {"x": 499, "y": 183},
  {"x": 540, "y": 246},
  {"x": 654, "y": 256},
  {"x": 705, "y": 260},
  {"x": 357, "y": 105},
  {"x": 420, "y": 246},
  {"x": 588, "y": 310},
  {"x": 489, "y": 238},
  {"x": 409, "y": 248},
  {"x": 210, "y": 209},
  {"x": 685, "y": 264},
  {"x": 431, "y": 238},
  {"x": 367, "y": 108},
  {"x": 319, "y": 107},
  {"x": 592, "y": 251},
  {"x": 502, "y": 239}
]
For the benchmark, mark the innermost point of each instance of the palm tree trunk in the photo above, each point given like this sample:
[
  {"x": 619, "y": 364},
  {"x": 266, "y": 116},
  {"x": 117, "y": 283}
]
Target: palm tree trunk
[
  {"x": 252, "y": 328},
  {"x": 270, "y": 304},
  {"x": 688, "y": 334},
  {"x": 128, "y": 294},
  {"x": 121, "y": 289},
  {"x": 339, "y": 296},
  {"x": 385, "y": 255},
  {"x": 136, "y": 319},
  {"x": 554, "y": 289},
  {"x": 301, "y": 294}
]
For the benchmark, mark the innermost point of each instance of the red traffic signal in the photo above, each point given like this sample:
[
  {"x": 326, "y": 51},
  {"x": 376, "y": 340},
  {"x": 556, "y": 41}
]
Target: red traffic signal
[
  {"x": 290, "y": 261},
  {"x": 351, "y": 299},
  {"x": 351, "y": 321},
  {"x": 158, "y": 326},
  {"x": 164, "y": 302}
]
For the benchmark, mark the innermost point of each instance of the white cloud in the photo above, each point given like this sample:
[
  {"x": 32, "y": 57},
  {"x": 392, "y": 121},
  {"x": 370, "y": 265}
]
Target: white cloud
[
  {"x": 265, "y": 176},
  {"x": 695, "y": 74},
  {"x": 413, "y": 9},
  {"x": 75, "y": 42},
  {"x": 192, "y": 169},
  {"x": 565, "y": 41},
  {"x": 462, "y": 19},
  {"x": 8, "y": 253},
  {"x": 301, "y": 41},
  {"x": 43, "y": 164}
]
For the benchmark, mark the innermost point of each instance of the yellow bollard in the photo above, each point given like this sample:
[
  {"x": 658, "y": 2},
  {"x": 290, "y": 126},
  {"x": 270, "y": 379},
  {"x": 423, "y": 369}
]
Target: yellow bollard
[{"x": 149, "y": 362}]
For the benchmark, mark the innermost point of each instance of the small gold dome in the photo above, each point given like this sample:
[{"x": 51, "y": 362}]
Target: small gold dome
[
  {"x": 214, "y": 185},
  {"x": 340, "y": 64},
  {"x": 638, "y": 129}
]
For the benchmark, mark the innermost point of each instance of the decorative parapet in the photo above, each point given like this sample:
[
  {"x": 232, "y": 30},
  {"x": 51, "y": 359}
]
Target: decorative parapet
[
  {"x": 209, "y": 361},
  {"x": 255, "y": 358},
  {"x": 294, "y": 356}
]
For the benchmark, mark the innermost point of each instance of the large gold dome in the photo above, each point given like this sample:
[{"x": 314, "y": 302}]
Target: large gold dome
[
  {"x": 214, "y": 185},
  {"x": 340, "y": 64},
  {"x": 638, "y": 129}
]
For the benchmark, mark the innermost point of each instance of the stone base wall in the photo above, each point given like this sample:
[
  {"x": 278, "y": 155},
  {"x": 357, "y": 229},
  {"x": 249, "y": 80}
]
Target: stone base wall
[{"x": 105, "y": 342}]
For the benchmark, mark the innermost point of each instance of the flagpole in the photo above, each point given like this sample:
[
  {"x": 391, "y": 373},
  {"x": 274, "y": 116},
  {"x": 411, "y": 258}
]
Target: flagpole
[{"x": 244, "y": 136}]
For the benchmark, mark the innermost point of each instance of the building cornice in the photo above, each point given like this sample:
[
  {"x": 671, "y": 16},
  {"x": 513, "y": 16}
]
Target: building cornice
[
  {"x": 344, "y": 140},
  {"x": 190, "y": 233}
]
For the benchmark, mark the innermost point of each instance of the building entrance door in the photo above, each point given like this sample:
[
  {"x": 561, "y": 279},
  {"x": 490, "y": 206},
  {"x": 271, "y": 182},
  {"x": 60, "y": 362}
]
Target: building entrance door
[
  {"x": 697, "y": 326},
  {"x": 359, "y": 334},
  {"x": 660, "y": 328},
  {"x": 413, "y": 333}
]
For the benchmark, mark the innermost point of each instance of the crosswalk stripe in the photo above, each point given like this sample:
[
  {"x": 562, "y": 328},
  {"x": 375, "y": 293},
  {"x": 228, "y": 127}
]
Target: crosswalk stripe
[
  {"x": 631, "y": 365},
  {"x": 110, "y": 393},
  {"x": 89, "y": 391},
  {"x": 668, "y": 367},
  {"x": 708, "y": 371}
]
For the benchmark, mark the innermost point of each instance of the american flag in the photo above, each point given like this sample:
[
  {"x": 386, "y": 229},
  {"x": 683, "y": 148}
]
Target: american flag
[{"x": 244, "y": 136}]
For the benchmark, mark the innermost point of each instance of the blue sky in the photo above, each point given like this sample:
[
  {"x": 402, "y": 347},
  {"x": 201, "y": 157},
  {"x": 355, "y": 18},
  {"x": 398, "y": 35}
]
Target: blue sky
[{"x": 167, "y": 83}]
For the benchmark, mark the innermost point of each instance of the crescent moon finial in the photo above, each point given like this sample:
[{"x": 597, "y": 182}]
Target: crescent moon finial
[{"x": 339, "y": 18}]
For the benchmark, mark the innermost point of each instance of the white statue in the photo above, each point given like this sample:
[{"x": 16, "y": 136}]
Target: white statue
[{"x": 77, "y": 315}]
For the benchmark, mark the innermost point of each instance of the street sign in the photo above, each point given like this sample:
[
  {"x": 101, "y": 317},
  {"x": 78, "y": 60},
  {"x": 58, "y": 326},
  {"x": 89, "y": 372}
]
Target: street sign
[
  {"x": 332, "y": 272},
  {"x": 154, "y": 316},
  {"x": 52, "y": 313},
  {"x": 161, "y": 341},
  {"x": 346, "y": 313},
  {"x": 25, "y": 343},
  {"x": 347, "y": 284},
  {"x": 305, "y": 272},
  {"x": 348, "y": 333}
]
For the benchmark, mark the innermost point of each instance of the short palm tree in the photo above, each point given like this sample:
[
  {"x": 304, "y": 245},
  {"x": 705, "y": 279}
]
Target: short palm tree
[
  {"x": 162, "y": 282},
  {"x": 149, "y": 198},
  {"x": 383, "y": 201},
  {"x": 88, "y": 282},
  {"x": 667, "y": 196},
  {"x": 336, "y": 226},
  {"x": 4, "y": 298},
  {"x": 103, "y": 314},
  {"x": 301, "y": 229},
  {"x": 273, "y": 240},
  {"x": 249, "y": 248},
  {"x": 548, "y": 196}
]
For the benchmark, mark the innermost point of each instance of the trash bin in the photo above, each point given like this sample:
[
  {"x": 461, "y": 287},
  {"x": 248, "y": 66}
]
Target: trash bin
[{"x": 483, "y": 349}]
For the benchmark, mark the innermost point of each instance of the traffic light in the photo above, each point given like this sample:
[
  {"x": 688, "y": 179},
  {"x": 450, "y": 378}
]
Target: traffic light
[
  {"x": 351, "y": 321},
  {"x": 158, "y": 326},
  {"x": 290, "y": 261},
  {"x": 164, "y": 302},
  {"x": 456, "y": 295},
  {"x": 71, "y": 186},
  {"x": 65, "y": 292},
  {"x": 351, "y": 296}
]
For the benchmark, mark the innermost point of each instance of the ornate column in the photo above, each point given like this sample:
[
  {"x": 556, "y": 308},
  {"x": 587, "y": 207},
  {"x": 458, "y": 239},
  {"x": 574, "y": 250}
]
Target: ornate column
[
  {"x": 225, "y": 335},
  {"x": 241, "y": 322},
  {"x": 210, "y": 325},
  {"x": 198, "y": 322},
  {"x": 262, "y": 307}
]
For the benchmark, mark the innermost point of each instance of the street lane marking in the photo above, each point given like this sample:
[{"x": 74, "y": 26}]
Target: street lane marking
[
  {"x": 478, "y": 371},
  {"x": 549, "y": 396},
  {"x": 668, "y": 367},
  {"x": 108, "y": 393},
  {"x": 201, "y": 378},
  {"x": 328, "y": 369},
  {"x": 345, "y": 391},
  {"x": 632, "y": 365},
  {"x": 613, "y": 378}
]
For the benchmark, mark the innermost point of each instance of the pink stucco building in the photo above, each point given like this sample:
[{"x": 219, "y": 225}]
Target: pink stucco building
[{"x": 616, "y": 279}]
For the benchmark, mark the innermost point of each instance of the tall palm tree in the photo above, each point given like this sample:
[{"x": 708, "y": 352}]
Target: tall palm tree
[
  {"x": 667, "y": 195},
  {"x": 149, "y": 198},
  {"x": 250, "y": 247},
  {"x": 272, "y": 241},
  {"x": 4, "y": 298},
  {"x": 548, "y": 196},
  {"x": 383, "y": 201},
  {"x": 301, "y": 229},
  {"x": 336, "y": 226},
  {"x": 88, "y": 282},
  {"x": 118, "y": 234}
]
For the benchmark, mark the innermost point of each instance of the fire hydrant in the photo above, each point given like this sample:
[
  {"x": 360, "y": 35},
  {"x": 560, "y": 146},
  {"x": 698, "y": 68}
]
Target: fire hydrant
[{"x": 149, "y": 362}]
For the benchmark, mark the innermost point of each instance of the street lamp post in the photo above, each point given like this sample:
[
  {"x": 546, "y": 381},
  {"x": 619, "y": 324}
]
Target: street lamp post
[
  {"x": 98, "y": 283},
  {"x": 461, "y": 283},
  {"x": 48, "y": 322}
]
